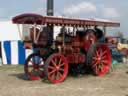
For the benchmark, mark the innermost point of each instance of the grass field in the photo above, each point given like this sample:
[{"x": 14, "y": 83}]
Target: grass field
[{"x": 12, "y": 83}]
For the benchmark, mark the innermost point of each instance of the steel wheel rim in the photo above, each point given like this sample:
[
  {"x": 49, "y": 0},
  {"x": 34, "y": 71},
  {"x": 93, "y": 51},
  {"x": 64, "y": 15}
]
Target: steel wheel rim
[
  {"x": 101, "y": 60},
  {"x": 34, "y": 68},
  {"x": 57, "y": 68}
]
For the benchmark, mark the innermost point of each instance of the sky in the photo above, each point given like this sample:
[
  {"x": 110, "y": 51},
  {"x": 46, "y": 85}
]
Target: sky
[{"x": 115, "y": 10}]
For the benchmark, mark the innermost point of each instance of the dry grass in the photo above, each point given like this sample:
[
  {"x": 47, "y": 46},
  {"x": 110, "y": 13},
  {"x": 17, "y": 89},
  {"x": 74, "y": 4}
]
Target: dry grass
[
  {"x": 11, "y": 67},
  {"x": 12, "y": 83}
]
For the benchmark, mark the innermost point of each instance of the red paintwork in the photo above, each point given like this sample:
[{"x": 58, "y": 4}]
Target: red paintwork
[
  {"x": 75, "y": 58},
  {"x": 28, "y": 45},
  {"x": 28, "y": 18},
  {"x": 72, "y": 52},
  {"x": 39, "y": 19},
  {"x": 77, "y": 44}
]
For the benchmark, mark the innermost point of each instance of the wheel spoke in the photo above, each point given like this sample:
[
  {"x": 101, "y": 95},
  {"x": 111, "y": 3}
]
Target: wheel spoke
[
  {"x": 40, "y": 71},
  {"x": 95, "y": 64},
  {"x": 41, "y": 61},
  {"x": 57, "y": 75},
  {"x": 94, "y": 58},
  {"x": 53, "y": 71},
  {"x": 34, "y": 59},
  {"x": 41, "y": 66},
  {"x": 53, "y": 75},
  {"x": 32, "y": 62},
  {"x": 103, "y": 57},
  {"x": 38, "y": 60},
  {"x": 104, "y": 52},
  {"x": 61, "y": 65},
  {"x": 50, "y": 67},
  {"x": 60, "y": 74},
  {"x": 60, "y": 69},
  {"x": 60, "y": 62},
  {"x": 53, "y": 62},
  {"x": 100, "y": 50},
  {"x": 97, "y": 53},
  {"x": 104, "y": 62}
]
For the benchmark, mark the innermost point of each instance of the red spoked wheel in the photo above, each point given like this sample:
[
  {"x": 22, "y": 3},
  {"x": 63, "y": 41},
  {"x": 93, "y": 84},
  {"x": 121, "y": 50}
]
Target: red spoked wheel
[
  {"x": 101, "y": 60},
  {"x": 34, "y": 67},
  {"x": 56, "y": 68}
]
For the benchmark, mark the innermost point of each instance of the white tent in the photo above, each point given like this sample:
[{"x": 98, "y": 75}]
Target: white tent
[
  {"x": 12, "y": 49},
  {"x": 8, "y": 31}
]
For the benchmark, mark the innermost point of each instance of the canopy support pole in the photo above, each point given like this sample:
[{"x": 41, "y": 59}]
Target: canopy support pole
[
  {"x": 20, "y": 34},
  {"x": 104, "y": 30}
]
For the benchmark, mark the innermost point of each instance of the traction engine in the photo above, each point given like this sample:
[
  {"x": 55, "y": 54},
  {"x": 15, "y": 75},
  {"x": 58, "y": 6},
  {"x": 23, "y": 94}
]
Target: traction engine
[{"x": 73, "y": 51}]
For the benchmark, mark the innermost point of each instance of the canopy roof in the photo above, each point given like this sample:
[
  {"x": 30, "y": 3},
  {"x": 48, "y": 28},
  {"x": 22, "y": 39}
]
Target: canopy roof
[{"x": 59, "y": 21}]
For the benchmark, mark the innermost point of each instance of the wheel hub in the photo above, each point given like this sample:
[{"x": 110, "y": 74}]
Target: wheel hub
[
  {"x": 99, "y": 59},
  {"x": 57, "y": 68},
  {"x": 36, "y": 66}
]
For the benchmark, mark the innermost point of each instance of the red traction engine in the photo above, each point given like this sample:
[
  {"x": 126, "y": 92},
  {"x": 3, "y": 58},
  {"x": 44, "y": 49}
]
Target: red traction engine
[{"x": 70, "y": 51}]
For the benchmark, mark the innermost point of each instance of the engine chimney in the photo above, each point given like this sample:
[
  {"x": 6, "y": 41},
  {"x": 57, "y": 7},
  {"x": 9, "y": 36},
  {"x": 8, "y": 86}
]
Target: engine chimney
[
  {"x": 50, "y": 12},
  {"x": 50, "y": 7}
]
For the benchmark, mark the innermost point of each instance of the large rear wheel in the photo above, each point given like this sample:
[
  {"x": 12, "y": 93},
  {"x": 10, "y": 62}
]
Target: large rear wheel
[
  {"x": 56, "y": 68},
  {"x": 100, "y": 59}
]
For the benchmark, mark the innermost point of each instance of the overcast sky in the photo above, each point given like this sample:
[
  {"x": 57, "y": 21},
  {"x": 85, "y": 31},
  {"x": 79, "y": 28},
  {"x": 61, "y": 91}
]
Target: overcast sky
[{"x": 104, "y": 9}]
